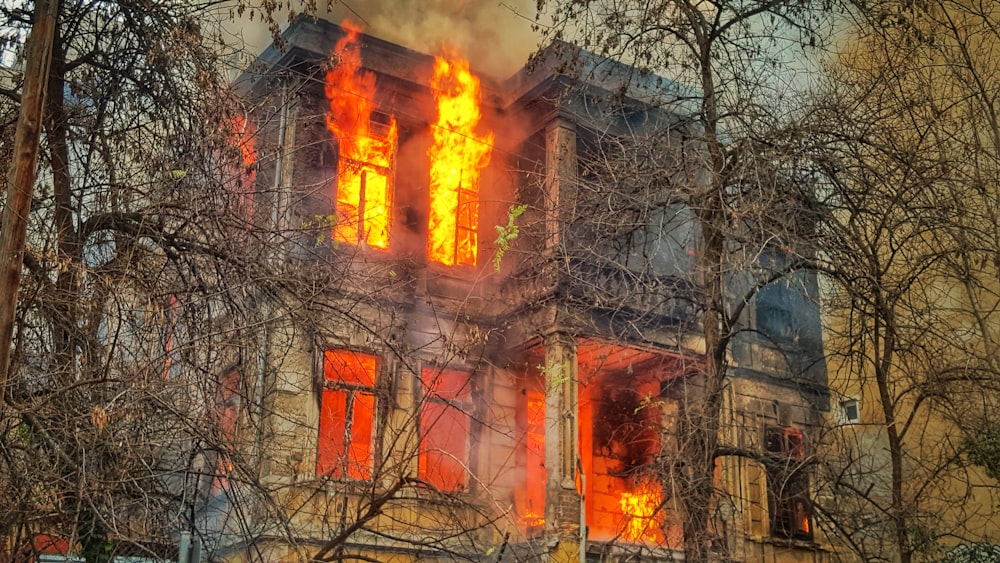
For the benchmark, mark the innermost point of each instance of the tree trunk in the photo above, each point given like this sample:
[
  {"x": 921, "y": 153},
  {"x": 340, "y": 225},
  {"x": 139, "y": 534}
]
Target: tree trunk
[{"x": 21, "y": 176}]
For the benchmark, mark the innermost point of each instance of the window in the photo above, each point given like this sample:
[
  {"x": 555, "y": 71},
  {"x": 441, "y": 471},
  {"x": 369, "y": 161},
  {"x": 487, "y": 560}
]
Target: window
[
  {"x": 364, "y": 197},
  {"x": 444, "y": 429},
  {"x": 850, "y": 411},
  {"x": 367, "y": 149},
  {"x": 532, "y": 496},
  {"x": 347, "y": 415},
  {"x": 453, "y": 223},
  {"x": 466, "y": 240},
  {"x": 457, "y": 157},
  {"x": 787, "y": 484},
  {"x": 244, "y": 138}
]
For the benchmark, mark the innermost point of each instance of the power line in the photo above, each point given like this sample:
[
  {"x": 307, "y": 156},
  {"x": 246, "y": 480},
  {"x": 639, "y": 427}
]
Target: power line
[{"x": 355, "y": 12}]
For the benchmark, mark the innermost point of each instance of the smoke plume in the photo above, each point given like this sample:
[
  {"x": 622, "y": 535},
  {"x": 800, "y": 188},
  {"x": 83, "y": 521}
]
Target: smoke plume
[{"x": 495, "y": 35}]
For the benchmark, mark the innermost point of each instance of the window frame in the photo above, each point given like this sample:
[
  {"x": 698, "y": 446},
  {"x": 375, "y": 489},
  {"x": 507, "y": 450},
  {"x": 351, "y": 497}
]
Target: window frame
[
  {"x": 460, "y": 403},
  {"x": 339, "y": 465},
  {"x": 467, "y": 211},
  {"x": 842, "y": 410}
]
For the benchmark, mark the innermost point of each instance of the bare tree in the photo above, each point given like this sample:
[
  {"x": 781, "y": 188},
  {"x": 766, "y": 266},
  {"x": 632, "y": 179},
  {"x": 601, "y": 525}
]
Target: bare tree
[
  {"x": 137, "y": 264},
  {"x": 722, "y": 158},
  {"x": 912, "y": 242}
]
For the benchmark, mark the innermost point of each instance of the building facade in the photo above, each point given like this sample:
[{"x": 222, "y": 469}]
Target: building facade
[{"x": 501, "y": 336}]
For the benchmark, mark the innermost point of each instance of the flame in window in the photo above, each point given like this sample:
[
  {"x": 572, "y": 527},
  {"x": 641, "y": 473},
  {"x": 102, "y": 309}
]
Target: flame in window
[
  {"x": 364, "y": 195},
  {"x": 457, "y": 156},
  {"x": 641, "y": 510}
]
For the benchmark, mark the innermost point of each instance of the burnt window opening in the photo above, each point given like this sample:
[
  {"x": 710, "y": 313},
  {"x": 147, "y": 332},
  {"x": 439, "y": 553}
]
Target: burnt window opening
[
  {"x": 347, "y": 415},
  {"x": 787, "y": 484},
  {"x": 453, "y": 222},
  {"x": 625, "y": 427},
  {"x": 445, "y": 429},
  {"x": 625, "y": 432}
]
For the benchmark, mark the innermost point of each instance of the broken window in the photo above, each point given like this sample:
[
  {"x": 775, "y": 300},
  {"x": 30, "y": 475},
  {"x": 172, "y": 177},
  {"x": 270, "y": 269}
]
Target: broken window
[
  {"x": 623, "y": 498},
  {"x": 347, "y": 415},
  {"x": 444, "y": 429},
  {"x": 787, "y": 484}
]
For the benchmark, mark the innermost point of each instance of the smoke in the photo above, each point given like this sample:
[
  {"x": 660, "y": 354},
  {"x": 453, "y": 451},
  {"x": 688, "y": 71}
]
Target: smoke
[{"x": 495, "y": 35}]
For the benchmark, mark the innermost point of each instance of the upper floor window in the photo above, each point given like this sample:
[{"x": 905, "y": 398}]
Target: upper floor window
[
  {"x": 366, "y": 149},
  {"x": 347, "y": 415},
  {"x": 849, "y": 411},
  {"x": 445, "y": 427},
  {"x": 457, "y": 156},
  {"x": 364, "y": 194}
]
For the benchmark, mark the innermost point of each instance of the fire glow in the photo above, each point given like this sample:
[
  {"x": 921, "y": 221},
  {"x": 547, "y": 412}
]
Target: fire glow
[
  {"x": 533, "y": 509},
  {"x": 364, "y": 194},
  {"x": 641, "y": 508},
  {"x": 457, "y": 156}
]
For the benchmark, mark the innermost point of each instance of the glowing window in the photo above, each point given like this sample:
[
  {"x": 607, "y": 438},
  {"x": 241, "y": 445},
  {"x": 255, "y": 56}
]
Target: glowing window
[
  {"x": 347, "y": 415},
  {"x": 244, "y": 137},
  {"x": 620, "y": 438},
  {"x": 457, "y": 157},
  {"x": 787, "y": 484},
  {"x": 366, "y": 148},
  {"x": 364, "y": 199},
  {"x": 532, "y": 505},
  {"x": 444, "y": 429}
]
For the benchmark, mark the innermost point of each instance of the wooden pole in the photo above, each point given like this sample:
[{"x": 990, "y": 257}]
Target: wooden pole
[{"x": 21, "y": 176}]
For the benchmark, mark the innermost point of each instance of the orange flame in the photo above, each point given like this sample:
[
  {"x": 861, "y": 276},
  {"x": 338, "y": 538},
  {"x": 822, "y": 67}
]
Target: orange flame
[
  {"x": 364, "y": 195},
  {"x": 243, "y": 135},
  {"x": 457, "y": 156},
  {"x": 641, "y": 509}
]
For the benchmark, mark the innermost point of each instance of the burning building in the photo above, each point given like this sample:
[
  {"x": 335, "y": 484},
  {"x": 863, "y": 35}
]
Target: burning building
[{"x": 502, "y": 338}]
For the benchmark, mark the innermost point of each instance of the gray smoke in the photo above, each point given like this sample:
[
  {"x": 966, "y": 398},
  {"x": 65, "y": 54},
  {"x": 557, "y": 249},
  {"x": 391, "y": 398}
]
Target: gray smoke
[
  {"x": 495, "y": 35},
  {"x": 489, "y": 33}
]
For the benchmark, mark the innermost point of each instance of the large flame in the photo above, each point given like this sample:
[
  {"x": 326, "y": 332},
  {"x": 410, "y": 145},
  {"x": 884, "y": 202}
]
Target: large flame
[
  {"x": 364, "y": 193},
  {"x": 457, "y": 156},
  {"x": 642, "y": 511}
]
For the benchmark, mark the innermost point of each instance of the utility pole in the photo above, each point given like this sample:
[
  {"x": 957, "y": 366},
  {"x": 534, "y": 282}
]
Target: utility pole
[{"x": 21, "y": 176}]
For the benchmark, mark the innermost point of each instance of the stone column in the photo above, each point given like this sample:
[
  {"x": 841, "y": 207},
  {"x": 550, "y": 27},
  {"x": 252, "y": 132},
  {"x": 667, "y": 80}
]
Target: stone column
[
  {"x": 562, "y": 502},
  {"x": 560, "y": 178}
]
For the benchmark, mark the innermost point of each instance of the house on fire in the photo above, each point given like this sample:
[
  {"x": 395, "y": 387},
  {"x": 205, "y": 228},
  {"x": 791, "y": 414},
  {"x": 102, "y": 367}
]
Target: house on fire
[{"x": 502, "y": 329}]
